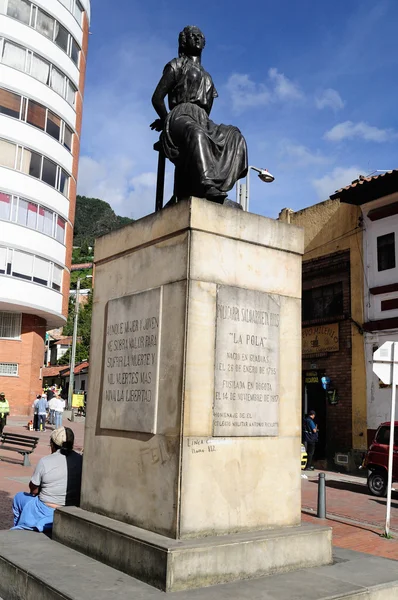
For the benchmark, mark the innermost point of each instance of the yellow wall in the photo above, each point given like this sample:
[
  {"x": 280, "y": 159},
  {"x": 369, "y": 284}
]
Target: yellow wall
[{"x": 330, "y": 227}]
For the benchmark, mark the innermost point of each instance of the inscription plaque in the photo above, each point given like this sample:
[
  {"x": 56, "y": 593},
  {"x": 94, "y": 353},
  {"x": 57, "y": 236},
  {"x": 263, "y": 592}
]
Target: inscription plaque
[
  {"x": 246, "y": 399},
  {"x": 131, "y": 360}
]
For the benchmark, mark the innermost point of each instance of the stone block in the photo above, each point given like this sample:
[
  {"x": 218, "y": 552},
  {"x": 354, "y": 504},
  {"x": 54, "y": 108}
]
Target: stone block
[{"x": 175, "y": 565}]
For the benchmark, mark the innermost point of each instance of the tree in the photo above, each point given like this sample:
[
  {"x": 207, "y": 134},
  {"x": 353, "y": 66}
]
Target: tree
[{"x": 83, "y": 330}]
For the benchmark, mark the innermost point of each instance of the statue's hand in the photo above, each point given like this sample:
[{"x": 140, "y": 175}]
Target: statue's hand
[{"x": 157, "y": 125}]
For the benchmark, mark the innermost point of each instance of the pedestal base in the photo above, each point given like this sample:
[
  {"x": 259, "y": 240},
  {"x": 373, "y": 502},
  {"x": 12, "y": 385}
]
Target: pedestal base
[{"x": 174, "y": 565}]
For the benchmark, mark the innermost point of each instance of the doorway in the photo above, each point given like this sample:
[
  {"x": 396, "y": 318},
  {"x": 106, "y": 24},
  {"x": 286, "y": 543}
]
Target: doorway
[{"x": 314, "y": 398}]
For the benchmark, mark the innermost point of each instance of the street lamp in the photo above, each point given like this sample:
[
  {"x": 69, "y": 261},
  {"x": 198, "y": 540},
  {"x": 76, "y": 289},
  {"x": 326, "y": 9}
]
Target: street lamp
[
  {"x": 243, "y": 189},
  {"x": 74, "y": 341}
]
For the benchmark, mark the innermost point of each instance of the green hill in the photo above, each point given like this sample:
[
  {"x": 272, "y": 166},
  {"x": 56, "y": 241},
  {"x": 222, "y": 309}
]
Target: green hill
[{"x": 94, "y": 217}]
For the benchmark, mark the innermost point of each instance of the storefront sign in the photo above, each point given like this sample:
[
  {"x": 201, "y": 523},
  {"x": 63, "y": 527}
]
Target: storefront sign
[
  {"x": 311, "y": 377},
  {"x": 322, "y": 338}
]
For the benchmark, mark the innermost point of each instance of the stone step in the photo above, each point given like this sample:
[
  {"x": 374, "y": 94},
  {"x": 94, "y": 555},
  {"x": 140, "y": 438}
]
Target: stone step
[{"x": 33, "y": 567}]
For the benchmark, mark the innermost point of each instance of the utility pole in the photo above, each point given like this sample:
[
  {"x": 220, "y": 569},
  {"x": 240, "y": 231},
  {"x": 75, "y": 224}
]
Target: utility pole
[{"x": 73, "y": 355}]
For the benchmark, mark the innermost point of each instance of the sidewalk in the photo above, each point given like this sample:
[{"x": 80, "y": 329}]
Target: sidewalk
[
  {"x": 356, "y": 517},
  {"x": 13, "y": 476}
]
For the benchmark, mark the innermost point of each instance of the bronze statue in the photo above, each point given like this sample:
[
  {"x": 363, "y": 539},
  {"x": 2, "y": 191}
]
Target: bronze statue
[{"x": 208, "y": 158}]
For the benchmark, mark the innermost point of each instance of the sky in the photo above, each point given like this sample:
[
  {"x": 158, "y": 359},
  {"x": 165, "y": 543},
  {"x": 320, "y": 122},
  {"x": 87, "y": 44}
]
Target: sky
[{"x": 312, "y": 85}]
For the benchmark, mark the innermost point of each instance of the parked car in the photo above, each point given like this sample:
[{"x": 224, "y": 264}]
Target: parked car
[
  {"x": 303, "y": 457},
  {"x": 376, "y": 460}
]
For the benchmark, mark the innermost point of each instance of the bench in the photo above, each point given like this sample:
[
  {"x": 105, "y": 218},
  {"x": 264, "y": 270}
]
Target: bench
[{"x": 23, "y": 444}]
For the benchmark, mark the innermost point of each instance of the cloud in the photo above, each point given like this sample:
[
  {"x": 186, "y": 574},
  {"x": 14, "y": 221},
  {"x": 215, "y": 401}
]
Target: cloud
[
  {"x": 118, "y": 163},
  {"x": 300, "y": 155},
  {"x": 329, "y": 99},
  {"x": 246, "y": 93},
  {"x": 350, "y": 130},
  {"x": 284, "y": 88},
  {"x": 338, "y": 178}
]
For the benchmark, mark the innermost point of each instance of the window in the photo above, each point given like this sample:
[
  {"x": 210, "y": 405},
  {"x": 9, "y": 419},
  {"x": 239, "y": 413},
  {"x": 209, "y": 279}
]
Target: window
[
  {"x": 383, "y": 436},
  {"x": 32, "y": 215},
  {"x": 78, "y": 12},
  {"x": 19, "y": 9},
  {"x": 49, "y": 174},
  {"x": 53, "y": 125},
  {"x": 9, "y": 369},
  {"x": 10, "y": 104},
  {"x": 57, "y": 81},
  {"x": 70, "y": 93},
  {"x": 7, "y": 154},
  {"x": 22, "y": 265},
  {"x": 45, "y": 24},
  {"x": 41, "y": 271},
  {"x": 323, "y": 302},
  {"x": 386, "y": 252},
  {"x": 68, "y": 133},
  {"x": 25, "y": 60},
  {"x": 14, "y": 55},
  {"x": 40, "y": 69},
  {"x": 10, "y": 325},
  {"x": 57, "y": 278},
  {"x": 22, "y": 218},
  {"x": 64, "y": 181},
  {"x": 61, "y": 37},
  {"x": 36, "y": 115},
  {"x": 75, "y": 52},
  {"x": 5, "y": 206},
  {"x": 45, "y": 221},
  {"x": 31, "y": 163},
  {"x": 3, "y": 260},
  {"x": 60, "y": 230}
]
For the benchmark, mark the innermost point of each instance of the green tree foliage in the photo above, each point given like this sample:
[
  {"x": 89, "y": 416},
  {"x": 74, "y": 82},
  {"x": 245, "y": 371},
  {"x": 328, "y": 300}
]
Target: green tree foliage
[
  {"x": 93, "y": 218},
  {"x": 83, "y": 330}
]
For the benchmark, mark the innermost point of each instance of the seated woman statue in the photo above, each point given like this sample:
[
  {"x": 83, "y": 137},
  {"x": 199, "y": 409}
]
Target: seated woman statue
[
  {"x": 209, "y": 158},
  {"x": 56, "y": 482}
]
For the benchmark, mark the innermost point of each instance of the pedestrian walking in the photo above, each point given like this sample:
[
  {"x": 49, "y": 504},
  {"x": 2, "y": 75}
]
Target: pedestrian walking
[
  {"x": 59, "y": 406},
  {"x": 40, "y": 407},
  {"x": 310, "y": 438},
  {"x": 4, "y": 411},
  {"x": 51, "y": 405}
]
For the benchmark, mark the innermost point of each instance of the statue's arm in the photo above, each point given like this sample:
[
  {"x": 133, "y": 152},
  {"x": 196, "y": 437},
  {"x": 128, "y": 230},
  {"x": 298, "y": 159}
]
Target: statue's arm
[{"x": 162, "y": 89}]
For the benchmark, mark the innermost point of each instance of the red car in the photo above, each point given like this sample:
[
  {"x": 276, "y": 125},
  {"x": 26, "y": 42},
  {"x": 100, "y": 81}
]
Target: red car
[{"x": 376, "y": 460}]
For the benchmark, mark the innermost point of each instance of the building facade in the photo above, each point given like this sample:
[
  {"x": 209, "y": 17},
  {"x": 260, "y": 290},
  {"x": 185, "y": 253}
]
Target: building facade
[
  {"x": 333, "y": 340},
  {"x": 43, "y": 52},
  {"x": 377, "y": 199}
]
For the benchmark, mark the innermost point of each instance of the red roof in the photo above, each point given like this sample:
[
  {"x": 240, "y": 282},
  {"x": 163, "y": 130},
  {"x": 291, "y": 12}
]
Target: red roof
[
  {"x": 78, "y": 369},
  {"x": 364, "y": 189},
  {"x": 52, "y": 371},
  {"x": 81, "y": 266},
  {"x": 66, "y": 341}
]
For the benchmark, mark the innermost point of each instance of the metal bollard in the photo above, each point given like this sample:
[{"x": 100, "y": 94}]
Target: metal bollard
[{"x": 321, "y": 514}]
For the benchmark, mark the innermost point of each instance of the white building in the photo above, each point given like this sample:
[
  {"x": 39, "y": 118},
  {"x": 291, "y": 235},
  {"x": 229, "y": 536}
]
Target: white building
[
  {"x": 43, "y": 48},
  {"x": 378, "y": 198}
]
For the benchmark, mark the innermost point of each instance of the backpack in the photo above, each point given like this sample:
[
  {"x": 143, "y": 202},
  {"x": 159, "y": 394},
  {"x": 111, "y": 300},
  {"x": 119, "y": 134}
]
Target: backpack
[{"x": 309, "y": 435}]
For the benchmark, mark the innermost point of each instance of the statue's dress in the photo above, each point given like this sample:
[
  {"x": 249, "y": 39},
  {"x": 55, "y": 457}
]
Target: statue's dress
[{"x": 207, "y": 156}]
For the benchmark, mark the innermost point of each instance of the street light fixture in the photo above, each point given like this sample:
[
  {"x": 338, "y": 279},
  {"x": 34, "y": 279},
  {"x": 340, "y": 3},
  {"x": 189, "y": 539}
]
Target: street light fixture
[
  {"x": 243, "y": 189},
  {"x": 73, "y": 354}
]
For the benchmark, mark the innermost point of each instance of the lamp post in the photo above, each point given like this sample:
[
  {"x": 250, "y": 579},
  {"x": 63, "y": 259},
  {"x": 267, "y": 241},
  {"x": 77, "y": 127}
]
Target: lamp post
[
  {"x": 243, "y": 189},
  {"x": 73, "y": 354}
]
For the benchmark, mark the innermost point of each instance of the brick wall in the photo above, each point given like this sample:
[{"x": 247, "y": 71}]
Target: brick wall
[
  {"x": 28, "y": 353},
  {"x": 319, "y": 272}
]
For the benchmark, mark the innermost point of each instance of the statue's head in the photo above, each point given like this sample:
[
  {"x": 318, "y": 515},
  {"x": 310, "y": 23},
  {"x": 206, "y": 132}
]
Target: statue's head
[{"x": 191, "y": 41}]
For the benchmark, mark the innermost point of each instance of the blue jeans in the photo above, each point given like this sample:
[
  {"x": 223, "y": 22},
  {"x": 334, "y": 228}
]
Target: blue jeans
[
  {"x": 58, "y": 419},
  {"x": 52, "y": 416},
  {"x": 42, "y": 422},
  {"x": 31, "y": 513}
]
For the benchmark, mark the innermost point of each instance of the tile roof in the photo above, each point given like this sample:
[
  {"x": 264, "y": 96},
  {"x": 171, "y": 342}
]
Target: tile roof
[
  {"x": 78, "y": 368},
  {"x": 364, "y": 189},
  {"x": 52, "y": 371},
  {"x": 81, "y": 266}
]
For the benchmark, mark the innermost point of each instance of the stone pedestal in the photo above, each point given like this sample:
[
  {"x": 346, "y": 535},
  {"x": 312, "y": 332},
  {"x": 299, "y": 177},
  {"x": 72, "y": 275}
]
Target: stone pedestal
[{"x": 193, "y": 424}]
